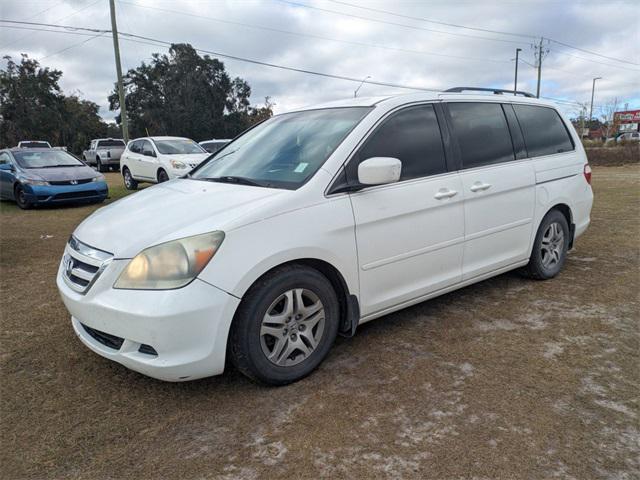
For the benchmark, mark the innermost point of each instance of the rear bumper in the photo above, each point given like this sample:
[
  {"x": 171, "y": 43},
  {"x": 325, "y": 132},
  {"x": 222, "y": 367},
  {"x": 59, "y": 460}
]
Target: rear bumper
[{"x": 57, "y": 194}]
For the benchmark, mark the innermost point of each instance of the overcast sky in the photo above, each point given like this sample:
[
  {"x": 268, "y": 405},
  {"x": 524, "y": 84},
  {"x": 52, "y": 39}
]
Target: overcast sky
[{"x": 412, "y": 52}]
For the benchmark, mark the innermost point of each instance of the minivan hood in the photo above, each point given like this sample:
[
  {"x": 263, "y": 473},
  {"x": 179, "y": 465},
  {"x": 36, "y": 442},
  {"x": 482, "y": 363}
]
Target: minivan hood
[
  {"x": 171, "y": 210},
  {"x": 57, "y": 174}
]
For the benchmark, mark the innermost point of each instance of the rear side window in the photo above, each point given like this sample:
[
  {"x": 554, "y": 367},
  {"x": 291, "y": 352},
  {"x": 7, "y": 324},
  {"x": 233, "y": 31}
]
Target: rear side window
[
  {"x": 482, "y": 133},
  {"x": 543, "y": 129},
  {"x": 411, "y": 135}
]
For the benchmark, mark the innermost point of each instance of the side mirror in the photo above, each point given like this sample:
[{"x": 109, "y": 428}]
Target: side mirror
[
  {"x": 148, "y": 153},
  {"x": 6, "y": 166},
  {"x": 379, "y": 171}
]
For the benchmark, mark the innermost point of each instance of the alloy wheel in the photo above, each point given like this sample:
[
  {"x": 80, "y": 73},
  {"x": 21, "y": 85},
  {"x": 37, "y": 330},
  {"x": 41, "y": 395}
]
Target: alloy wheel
[
  {"x": 552, "y": 245},
  {"x": 292, "y": 327}
]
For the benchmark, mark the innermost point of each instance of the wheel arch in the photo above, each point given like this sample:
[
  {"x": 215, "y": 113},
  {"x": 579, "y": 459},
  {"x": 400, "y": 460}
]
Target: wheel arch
[
  {"x": 568, "y": 215},
  {"x": 348, "y": 302}
]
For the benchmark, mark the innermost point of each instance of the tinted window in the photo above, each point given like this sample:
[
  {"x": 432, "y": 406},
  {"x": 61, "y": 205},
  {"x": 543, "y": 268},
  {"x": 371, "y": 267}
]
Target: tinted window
[
  {"x": 34, "y": 145},
  {"x": 543, "y": 130},
  {"x": 111, "y": 143},
  {"x": 136, "y": 146},
  {"x": 145, "y": 146},
  {"x": 482, "y": 133},
  {"x": 413, "y": 137}
]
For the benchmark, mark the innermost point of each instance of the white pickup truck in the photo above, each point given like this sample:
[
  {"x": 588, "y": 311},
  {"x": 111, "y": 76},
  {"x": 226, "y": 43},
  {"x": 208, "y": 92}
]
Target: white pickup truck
[{"x": 104, "y": 153}]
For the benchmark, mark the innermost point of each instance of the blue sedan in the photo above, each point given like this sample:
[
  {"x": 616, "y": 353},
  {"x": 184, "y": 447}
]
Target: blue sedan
[{"x": 42, "y": 176}]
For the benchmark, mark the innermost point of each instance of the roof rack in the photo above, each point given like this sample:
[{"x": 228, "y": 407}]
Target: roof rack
[{"x": 496, "y": 91}]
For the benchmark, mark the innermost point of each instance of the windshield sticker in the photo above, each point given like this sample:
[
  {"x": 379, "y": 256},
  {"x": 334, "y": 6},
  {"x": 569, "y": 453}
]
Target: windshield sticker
[{"x": 301, "y": 167}]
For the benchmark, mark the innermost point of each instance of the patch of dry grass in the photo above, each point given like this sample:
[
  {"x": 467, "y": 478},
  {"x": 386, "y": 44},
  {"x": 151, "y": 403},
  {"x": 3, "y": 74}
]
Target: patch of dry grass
[{"x": 508, "y": 378}]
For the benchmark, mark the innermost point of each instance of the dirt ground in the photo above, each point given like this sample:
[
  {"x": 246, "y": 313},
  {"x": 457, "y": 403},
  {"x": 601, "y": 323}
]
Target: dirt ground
[{"x": 509, "y": 378}]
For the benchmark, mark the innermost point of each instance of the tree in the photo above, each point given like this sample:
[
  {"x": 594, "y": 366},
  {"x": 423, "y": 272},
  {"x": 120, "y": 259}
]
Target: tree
[
  {"x": 33, "y": 107},
  {"x": 187, "y": 95}
]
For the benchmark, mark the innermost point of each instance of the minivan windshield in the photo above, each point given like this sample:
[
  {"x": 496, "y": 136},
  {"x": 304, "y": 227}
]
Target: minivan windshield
[
  {"x": 46, "y": 159},
  {"x": 284, "y": 151},
  {"x": 178, "y": 146}
]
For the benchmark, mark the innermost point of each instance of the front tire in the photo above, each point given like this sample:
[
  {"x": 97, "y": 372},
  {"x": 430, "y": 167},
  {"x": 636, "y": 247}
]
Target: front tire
[
  {"x": 162, "y": 176},
  {"x": 99, "y": 166},
  {"x": 129, "y": 182},
  {"x": 285, "y": 326},
  {"x": 21, "y": 199},
  {"x": 549, "y": 248}
]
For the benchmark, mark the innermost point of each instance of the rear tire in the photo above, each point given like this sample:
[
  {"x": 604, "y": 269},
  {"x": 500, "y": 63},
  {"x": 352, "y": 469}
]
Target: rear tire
[
  {"x": 21, "y": 200},
  {"x": 284, "y": 326},
  {"x": 549, "y": 248},
  {"x": 129, "y": 182}
]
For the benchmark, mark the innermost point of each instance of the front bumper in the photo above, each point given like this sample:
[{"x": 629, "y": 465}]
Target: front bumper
[
  {"x": 56, "y": 194},
  {"x": 187, "y": 327}
]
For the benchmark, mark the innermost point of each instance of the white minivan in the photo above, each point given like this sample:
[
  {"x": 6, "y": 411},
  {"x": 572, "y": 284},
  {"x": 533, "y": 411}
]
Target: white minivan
[
  {"x": 315, "y": 221},
  {"x": 158, "y": 159}
]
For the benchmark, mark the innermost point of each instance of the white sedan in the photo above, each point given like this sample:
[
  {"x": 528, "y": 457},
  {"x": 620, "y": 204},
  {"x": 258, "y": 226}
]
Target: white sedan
[{"x": 158, "y": 159}]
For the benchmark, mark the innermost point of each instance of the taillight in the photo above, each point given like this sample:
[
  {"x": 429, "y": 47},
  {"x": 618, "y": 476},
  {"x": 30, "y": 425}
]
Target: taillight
[{"x": 587, "y": 173}]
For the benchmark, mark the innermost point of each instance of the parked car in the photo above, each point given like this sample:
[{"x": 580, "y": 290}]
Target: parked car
[
  {"x": 33, "y": 144},
  {"x": 43, "y": 176},
  {"x": 316, "y": 221},
  {"x": 212, "y": 146},
  {"x": 628, "y": 137},
  {"x": 158, "y": 159},
  {"x": 104, "y": 153}
]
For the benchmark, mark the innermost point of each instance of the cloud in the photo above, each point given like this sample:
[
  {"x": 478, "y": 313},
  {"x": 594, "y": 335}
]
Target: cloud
[{"x": 390, "y": 55}]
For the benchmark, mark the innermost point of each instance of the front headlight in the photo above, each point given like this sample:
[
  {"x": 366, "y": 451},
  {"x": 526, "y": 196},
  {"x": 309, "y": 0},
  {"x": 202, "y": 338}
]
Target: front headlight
[
  {"x": 99, "y": 178},
  {"x": 170, "y": 265},
  {"x": 31, "y": 181},
  {"x": 178, "y": 164}
]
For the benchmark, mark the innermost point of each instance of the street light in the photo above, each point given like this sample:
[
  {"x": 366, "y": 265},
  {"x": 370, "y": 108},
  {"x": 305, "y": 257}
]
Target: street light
[
  {"x": 593, "y": 89},
  {"x": 355, "y": 93},
  {"x": 515, "y": 82}
]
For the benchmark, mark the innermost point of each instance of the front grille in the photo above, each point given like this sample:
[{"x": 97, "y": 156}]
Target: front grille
[
  {"x": 82, "y": 265},
  {"x": 70, "y": 182},
  {"x": 105, "y": 339},
  {"x": 84, "y": 194}
]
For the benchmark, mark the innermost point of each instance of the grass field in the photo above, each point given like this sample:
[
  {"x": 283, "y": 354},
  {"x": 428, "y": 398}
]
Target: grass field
[{"x": 509, "y": 378}]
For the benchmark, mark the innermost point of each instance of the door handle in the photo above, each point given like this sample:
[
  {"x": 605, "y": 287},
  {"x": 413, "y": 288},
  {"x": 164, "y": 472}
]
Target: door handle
[
  {"x": 444, "y": 193},
  {"x": 478, "y": 186}
]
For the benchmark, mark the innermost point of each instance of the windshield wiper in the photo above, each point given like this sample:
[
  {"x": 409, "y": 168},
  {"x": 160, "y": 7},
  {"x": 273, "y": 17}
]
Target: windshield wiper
[{"x": 234, "y": 179}]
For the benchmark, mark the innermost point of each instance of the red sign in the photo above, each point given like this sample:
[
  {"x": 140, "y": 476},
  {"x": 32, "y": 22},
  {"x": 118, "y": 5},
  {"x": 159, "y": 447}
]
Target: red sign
[{"x": 629, "y": 116}]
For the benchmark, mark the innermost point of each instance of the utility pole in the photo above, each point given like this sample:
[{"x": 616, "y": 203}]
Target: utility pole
[
  {"x": 116, "y": 49},
  {"x": 539, "y": 66},
  {"x": 593, "y": 89},
  {"x": 515, "y": 81}
]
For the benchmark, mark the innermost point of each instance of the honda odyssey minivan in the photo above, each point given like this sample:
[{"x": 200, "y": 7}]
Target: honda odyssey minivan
[{"x": 318, "y": 220}]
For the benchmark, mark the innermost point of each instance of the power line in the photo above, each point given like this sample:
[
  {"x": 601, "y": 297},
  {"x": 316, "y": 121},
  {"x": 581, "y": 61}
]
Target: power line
[
  {"x": 160, "y": 43},
  {"x": 72, "y": 46},
  {"x": 57, "y": 20},
  {"x": 284, "y": 67},
  {"x": 403, "y": 25},
  {"x": 444, "y": 23},
  {"x": 437, "y": 22},
  {"x": 318, "y": 37},
  {"x": 593, "y": 53}
]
